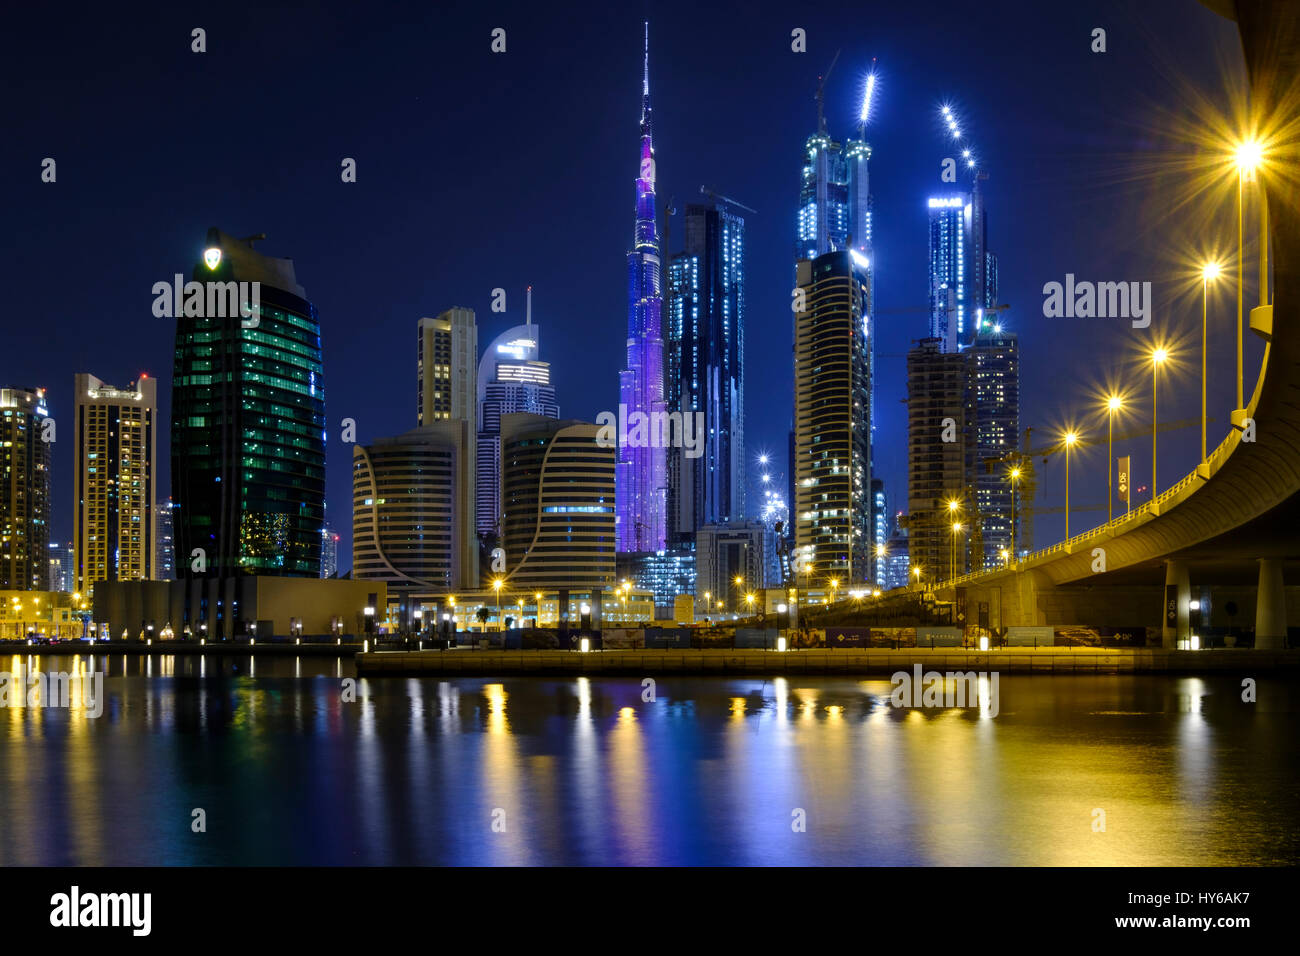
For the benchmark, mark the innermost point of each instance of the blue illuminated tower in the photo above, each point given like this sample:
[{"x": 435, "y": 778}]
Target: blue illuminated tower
[{"x": 641, "y": 475}]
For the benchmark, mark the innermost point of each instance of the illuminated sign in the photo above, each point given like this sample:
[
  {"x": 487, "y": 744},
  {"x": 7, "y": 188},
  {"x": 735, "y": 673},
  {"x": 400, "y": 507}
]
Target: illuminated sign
[
  {"x": 212, "y": 257},
  {"x": 949, "y": 202}
]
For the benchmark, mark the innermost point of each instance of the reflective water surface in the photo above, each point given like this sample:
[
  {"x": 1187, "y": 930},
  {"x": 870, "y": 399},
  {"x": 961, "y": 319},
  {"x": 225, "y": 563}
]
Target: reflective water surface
[{"x": 804, "y": 771}]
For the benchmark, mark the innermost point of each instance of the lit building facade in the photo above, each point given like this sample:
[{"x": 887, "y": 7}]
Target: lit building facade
[
  {"x": 329, "y": 552},
  {"x": 165, "y": 560},
  {"x": 665, "y": 574},
  {"x": 25, "y": 489},
  {"x": 511, "y": 380},
  {"x": 412, "y": 510},
  {"x": 115, "y": 519},
  {"x": 248, "y": 424},
  {"x": 557, "y": 504},
  {"x": 642, "y": 473},
  {"x": 61, "y": 571},
  {"x": 446, "y": 367},
  {"x": 963, "y": 273},
  {"x": 706, "y": 374},
  {"x": 725, "y": 552},
  {"x": 880, "y": 520},
  {"x": 937, "y": 456},
  {"x": 994, "y": 404},
  {"x": 832, "y": 434}
]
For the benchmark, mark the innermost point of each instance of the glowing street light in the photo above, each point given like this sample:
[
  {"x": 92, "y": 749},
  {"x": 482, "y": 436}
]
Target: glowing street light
[
  {"x": 1158, "y": 357},
  {"x": 1209, "y": 272},
  {"x": 1248, "y": 157},
  {"x": 1070, "y": 439},
  {"x": 497, "y": 584},
  {"x": 1113, "y": 404},
  {"x": 1014, "y": 475},
  {"x": 952, "y": 566}
]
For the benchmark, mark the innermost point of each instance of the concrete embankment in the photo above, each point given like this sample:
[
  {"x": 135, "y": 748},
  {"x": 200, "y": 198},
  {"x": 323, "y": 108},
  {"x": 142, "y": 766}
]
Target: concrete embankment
[
  {"x": 164, "y": 648},
  {"x": 1069, "y": 661}
]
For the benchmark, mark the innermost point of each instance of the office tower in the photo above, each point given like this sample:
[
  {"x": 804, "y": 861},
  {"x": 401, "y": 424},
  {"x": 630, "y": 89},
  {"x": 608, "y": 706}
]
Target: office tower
[
  {"x": 937, "y": 455},
  {"x": 994, "y": 408},
  {"x": 165, "y": 559},
  {"x": 951, "y": 299},
  {"x": 642, "y": 472},
  {"x": 832, "y": 403},
  {"x": 25, "y": 437},
  {"x": 665, "y": 574},
  {"x": 248, "y": 424},
  {"x": 413, "y": 509},
  {"x": 511, "y": 380},
  {"x": 557, "y": 504},
  {"x": 329, "y": 552},
  {"x": 446, "y": 361},
  {"x": 725, "y": 552},
  {"x": 115, "y": 513},
  {"x": 706, "y": 342},
  {"x": 61, "y": 571},
  {"x": 879, "y": 531},
  {"x": 835, "y": 207}
]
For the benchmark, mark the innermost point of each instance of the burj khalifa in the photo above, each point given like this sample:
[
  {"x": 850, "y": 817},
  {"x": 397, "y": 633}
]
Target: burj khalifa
[{"x": 641, "y": 478}]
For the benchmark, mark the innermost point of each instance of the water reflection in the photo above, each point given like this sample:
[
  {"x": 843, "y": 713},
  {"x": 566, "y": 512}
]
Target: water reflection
[{"x": 579, "y": 771}]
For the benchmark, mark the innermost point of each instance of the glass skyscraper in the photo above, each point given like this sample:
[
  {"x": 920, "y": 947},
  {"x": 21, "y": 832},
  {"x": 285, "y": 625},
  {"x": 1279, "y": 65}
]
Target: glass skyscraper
[
  {"x": 963, "y": 273},
  {"x": 248, "y": 424},
  {"x": 511, "y": 380},
  {"x": 706, "y": 373}
]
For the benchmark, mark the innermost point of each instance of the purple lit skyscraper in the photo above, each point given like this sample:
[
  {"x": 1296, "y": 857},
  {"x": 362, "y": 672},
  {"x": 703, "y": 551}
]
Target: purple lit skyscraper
[{"x": 641, "y": 486}]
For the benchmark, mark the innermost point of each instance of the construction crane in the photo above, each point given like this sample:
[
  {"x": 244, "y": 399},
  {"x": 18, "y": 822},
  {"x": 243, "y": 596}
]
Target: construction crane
[
  {"x": 821, "y": 95},
  {"x": 718, "y": 197}
]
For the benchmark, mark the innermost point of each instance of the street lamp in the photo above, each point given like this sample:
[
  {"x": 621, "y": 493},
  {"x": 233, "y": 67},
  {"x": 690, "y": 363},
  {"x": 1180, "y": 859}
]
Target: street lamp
[
  {"x": 916, "y": 573},
  {"x": 1247, "y": 156},
  {"x": 1209, "y": 271},
  {"x": 1070, "y": 439},
  {"x": 1015, "y": 480},
  {"x": 1158, "y": 358},
  {"x": 1113, "y": 404},
  {"x": 952, "y": 565},
  {"x": 497, "y": 584},
  {"x": 835, "y": 586}
]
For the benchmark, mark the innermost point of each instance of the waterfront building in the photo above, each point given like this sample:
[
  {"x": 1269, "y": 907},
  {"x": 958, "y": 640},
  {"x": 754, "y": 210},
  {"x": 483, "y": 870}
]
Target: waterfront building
[
  {"x": 832, "y": 438},
  {"x": 725, "y": 552},
  {"x": 25, "y": 441},
  {"x": 248, "y": 423},
  {"x": 115, "y": 508},
  {"x": 557, "y": 504},
  {"x": 413, "y": 509},
  {"x": 446, "y": 367}
]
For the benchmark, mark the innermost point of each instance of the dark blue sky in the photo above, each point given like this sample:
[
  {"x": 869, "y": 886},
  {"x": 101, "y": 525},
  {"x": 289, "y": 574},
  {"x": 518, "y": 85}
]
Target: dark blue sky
[{"x": 478, "y": 171}]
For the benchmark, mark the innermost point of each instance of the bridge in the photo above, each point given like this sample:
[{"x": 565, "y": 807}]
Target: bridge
[{"x": 1234, "y": 522}]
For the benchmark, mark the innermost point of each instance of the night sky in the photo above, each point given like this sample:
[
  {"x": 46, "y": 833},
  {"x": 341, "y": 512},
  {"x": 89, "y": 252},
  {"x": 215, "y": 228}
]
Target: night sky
[{"x": 478, "y": 171}]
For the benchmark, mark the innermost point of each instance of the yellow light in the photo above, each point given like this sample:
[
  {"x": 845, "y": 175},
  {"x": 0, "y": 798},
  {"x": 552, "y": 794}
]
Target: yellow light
[
  {"x": 1071, "y": 438},
  {"x": 1249, "y": 154},
  {"x": 952, "y": 505},
  {"x": 497, "y": 584},
  {"x": 1159, "y": 355},
  {"x": 538, "y": 595},
  {"x": 956, "y": 526},
  {"x": 835, "y": 582},
  {"x": 880, "y": 550},
  {"x": 1015, "y": 472},
  {"x": 212, "y": 257},
  {"x": 739, "y": 580},
  {"x": 917, "y": 572},
  {"x": 1210, "y": 271}
]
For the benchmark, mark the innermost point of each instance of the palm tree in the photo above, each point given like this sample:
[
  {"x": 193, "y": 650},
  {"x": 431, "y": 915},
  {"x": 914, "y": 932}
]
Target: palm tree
[{"x": 483, "y": 614}]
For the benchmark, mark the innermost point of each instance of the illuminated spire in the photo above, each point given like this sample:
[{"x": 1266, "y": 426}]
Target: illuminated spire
[{"x": 645, "y": 85}]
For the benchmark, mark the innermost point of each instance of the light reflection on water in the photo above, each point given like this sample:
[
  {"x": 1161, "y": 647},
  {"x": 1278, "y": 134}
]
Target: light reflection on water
[{"x": 583, "y": 771}]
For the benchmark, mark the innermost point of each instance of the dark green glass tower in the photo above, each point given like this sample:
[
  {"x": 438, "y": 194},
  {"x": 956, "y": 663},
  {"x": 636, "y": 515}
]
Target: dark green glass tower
[{"x": 248, "y": 419}]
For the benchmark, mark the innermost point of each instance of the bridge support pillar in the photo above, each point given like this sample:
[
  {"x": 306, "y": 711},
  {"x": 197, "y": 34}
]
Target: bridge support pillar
[
  {"x": 1270, "y": 607},
  {"x": 1176, "y": 574}
]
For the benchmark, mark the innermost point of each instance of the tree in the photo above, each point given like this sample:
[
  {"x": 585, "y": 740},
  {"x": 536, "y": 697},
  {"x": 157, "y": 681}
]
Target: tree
[{"x": 483, "y": 614}]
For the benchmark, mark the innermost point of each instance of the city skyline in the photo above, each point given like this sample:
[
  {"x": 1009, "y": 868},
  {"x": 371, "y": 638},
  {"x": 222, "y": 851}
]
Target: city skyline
[{"x": 898, "y": 241}]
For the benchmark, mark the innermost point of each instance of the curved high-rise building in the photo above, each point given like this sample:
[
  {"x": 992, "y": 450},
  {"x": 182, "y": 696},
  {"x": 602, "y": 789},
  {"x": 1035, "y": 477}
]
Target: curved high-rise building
[
  {"x": 557, "y": 504},
  {"x": 643, "y": 468},
  {"x": 412, "y": 515},
  {"x": 248, "y": 420}
]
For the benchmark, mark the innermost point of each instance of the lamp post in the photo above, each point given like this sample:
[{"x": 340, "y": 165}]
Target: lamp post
[
  {"x": 1113, "y": 404},
  {"x": 1158, "y": 358},
  {"x": 1247, "y": 157},
  {"x": 1070, "y": 439},
  {"x": 952, "y": 566},
  {"x": 1209, "y": 271},
  {"x": 1015, "y": 481},
  {"x": 496, "y": 586}
]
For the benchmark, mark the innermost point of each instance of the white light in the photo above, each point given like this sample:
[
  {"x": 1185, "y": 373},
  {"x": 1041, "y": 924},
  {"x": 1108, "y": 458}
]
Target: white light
[
  {"x": 781, "y": 609},
  {"x": 1194, "y": 605},
  {"x": 212, "y": 257},
  {"x": 984, "y": 643},
  {"x": 862, "y": 261},
  {"x": 1196, "y": 642},
  {"x": 780, "y": 644},
  {"x": 584, "y": 645},
  {"x": 941, "y": 202}
]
